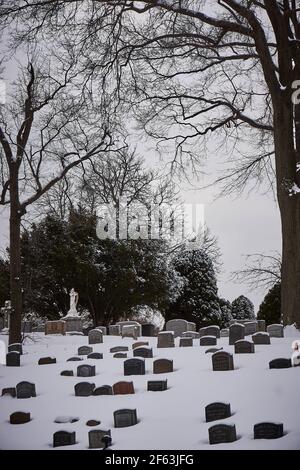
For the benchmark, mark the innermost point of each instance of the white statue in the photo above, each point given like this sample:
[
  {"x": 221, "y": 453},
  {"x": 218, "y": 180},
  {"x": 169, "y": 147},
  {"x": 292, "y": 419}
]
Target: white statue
[{"x": 74, "y": 297}]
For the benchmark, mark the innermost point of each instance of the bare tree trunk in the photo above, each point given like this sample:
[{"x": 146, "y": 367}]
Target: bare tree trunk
[
  {"x": 289, "y": 204},
  {"x": 15, "y": 258}
]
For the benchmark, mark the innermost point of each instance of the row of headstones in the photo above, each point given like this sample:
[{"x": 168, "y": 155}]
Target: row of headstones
[
  {"x": 223, "y": 360},
  {"x": 225, "y": 433}
]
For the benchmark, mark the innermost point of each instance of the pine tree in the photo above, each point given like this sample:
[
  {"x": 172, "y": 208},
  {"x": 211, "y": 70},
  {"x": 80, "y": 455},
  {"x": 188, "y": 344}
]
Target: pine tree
[
  {"x": 198, "y": 300},
  {"x": 270, "y": 308},
  {"x": 225, "y": 307},
  {"x": 242, "y": 309}
]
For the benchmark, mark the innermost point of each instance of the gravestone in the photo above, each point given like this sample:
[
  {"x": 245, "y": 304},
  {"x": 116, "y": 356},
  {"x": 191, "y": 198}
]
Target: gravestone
[
  {"x": 157, "y": 385},
  {"x": 138, "y": 326},
  {"x": 67, "y": 373},
  {"x": 103, "y": 329},
  {"x": 46, "y": 360},
  {"x": 190, "y": 334},
  {"x": 213, "y": 331},
  {"x": 95, "y": 355},
  {"x": 114, "y": 330},
  {"x": 191, "y": 326},
  {"x": 275, "y": 331},
  {"x": 202, "y": 332},
  {"x": 244, "y": 347},
  {"x": 217, "y": 410},
  {"x": 222, "y": 433},
  {"x": 97, "y": 438},
  {"x": 178, "y": 326},
  {"x": 268, "y": 430},
  {"x": 139, "y": 344},
  {"x": 165, "y": 339},
  {"x": 19, "y": 417},
  {"x": 118, "y": 349},
  {"x": 134, "y": 367},
  {"x": 251, "y": 327},
  {"x": 64, "y": 438},
  {"x": 185, "y": 342},
  {"x": 208, "y": 341},
  {"x": 261, "y": 338},
  {"x": 162, "y": 366},
  {"x": 84, "y": 350},
  {"x": 9, "y": 391},
  {"x": 86, "y": 330},
  {"x": 280, "y": 363},
  {"x": 236, "y": 332},
  {"x": 143, "y": 352},
  {"x": 123, "y": 388},
  {"x": 148, "y": 329},
  {"x": 86, "y": 370},
  {"x": 84, "y": 389},
  {"x": 120, "y": 355},
  {"x": 261, "y": 325},
  {"x": 224, "y": 333},
  {"x": 15, "y": 347},
  {"x": 130, "y": 331},
  {"x": 25, "y": 390},
  {"x": 26, "y": 327},
  {"x": 125, "y": 418},
  {"x": 103, "y": 390},
  {"x": 57, "y": 327},
  {"x": 13, "y": 359},
  {"x": 95, "y": 337},
  {"x": 212, "y": 350},
  {"x": 75, "y": 359},
  {"x": 73, "y": 323},
  {"x": 93, "y": 422},
  {"x": 222, "y": 361}
]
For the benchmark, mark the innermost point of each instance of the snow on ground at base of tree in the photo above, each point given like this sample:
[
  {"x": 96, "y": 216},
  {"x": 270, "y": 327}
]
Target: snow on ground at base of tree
[{"x": 172, "y": 419}]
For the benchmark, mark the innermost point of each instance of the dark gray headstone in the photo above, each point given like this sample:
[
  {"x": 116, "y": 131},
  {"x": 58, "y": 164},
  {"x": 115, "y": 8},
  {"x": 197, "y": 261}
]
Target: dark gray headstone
[
  {"x": 213, "y": 331},
  {"x": 190, "y": 334},
  {"x": 134, "y": 367},
  {"x": 93, "y": 422},
  {"x": 84, "y": 389},
  {"x": 217, "y": 410},
  {"x": 25, "y": 390},
  {"x": 75, "y": 359},
  {"x": 222, "y": 361},
  {"x": 236, "y": 332},
  {"x": 222, "y": 433},
  {"x": 67, "y": 373},
  {"x": 15, "y": 347},
  {"x": 148, "y": 330},
  {"x": 185, "y": 342},
  {"x": 268, "y": 430},
  {"x": 208, "y": 341},
  {"x": 275, "y": 331},
  {"x": 124, "y": 418},
  {"x": 86, "y": 370},
  {"x": 162, "y": 366},
  {"x": 157, "y": 385},
  {"x": 224, "y": 333},
  {"x": 13, "y": 359},
  {"x": 46, "y": 360},
  {"x": 95, "y": 337},
  {"x": 84, "y": 350},
  {"x": 97, "y": 438},
  {"x": 244, "y": 347},
  {"x": 95, "y": 355},
  {"x": 64, "y": 438},
  {"x": 9, "y": 391},
  {"x": 280, "y": 363},
  {"x": 103, "y": 390},
  {"x": 19, "y": 417},
  {"x": 261, "y": 338},
  {"x": 26, "y": 327},
  {"x": 261, "y": 325},
  {"x": 143, "y": 352},
  {"x": 118, "y": 349},
  {"x": 251, "y": 327},
  {"x": 165, "y": 339}
]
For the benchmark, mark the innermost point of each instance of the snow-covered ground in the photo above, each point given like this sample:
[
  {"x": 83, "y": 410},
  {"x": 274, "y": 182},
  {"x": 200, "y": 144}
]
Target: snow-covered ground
[{"x": 172, "y": 419}]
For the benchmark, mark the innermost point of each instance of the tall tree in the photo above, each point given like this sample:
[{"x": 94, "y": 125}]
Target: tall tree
[
  {"x": 270, "y": 308},
  {"x": 194, "y": 68},
  {"x": 242, "y": 308}
]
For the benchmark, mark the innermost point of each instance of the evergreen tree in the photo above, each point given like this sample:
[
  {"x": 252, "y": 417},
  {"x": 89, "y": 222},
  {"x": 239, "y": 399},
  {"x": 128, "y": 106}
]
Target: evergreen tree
[
  {"x": 4, "y": 281},
  {"x": 242, "y": 308},
  {"x": 198, "y": 300},
  {"x": 270, "y": 308},
  {"x": 225, "y": 307}
]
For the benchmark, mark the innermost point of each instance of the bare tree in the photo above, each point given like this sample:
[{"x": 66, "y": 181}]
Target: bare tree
[
  {"x": 47, "y": 128},
  {"x": 191, "y": 69},
  {"x": 261, "y": 271}
]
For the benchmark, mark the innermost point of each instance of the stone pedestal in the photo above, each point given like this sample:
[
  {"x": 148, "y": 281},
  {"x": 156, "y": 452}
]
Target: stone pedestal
[{"x": 73, "y": 323}]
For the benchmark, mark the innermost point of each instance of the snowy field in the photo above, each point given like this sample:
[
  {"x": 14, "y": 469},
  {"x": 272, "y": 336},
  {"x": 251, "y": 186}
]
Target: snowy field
[{"x": 172, "y": 419}]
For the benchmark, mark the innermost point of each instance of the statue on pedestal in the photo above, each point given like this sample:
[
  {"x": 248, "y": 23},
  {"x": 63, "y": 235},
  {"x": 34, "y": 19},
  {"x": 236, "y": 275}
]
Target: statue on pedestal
[{"x": 74, "y": 297}]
